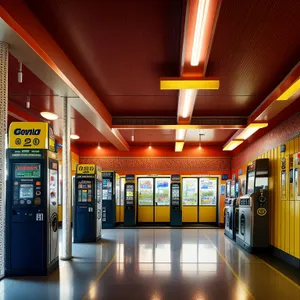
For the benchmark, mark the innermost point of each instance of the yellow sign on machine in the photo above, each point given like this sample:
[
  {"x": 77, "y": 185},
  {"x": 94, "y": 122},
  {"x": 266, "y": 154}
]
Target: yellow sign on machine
[
  {"x": 30, "y": 135},
  {"x": 89, "y": 169}
]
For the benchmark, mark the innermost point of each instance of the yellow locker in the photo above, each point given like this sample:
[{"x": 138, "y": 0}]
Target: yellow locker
[
  {"x": 292, "y": 228},
  {"x": 297, "y": 229}
]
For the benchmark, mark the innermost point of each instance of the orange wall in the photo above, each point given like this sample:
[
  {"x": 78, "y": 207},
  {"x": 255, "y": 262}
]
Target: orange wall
[{"x": 285, "y": 211}]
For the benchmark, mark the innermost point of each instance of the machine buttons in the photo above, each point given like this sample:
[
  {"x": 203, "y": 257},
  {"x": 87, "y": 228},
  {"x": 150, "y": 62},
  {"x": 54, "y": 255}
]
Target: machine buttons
[
  {"x": 29, "y": 201},
  {"x": 38, "y": 193},
  {"x": 38, "y": 183},
  {"x": 22, "y": 202},
  {"x": 37, "y": 201},
  {"x": 16, "y": 183}
]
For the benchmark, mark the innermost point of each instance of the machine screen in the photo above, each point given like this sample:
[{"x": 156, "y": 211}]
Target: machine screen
[
  {"x": 28, "y": 170},
  {"x": 250, "y": 186},
  {"x": 26, "y": 191}
]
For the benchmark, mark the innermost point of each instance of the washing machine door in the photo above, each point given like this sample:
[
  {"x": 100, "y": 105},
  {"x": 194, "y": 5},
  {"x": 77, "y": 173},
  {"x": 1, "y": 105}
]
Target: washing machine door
[
  {"x": 242, "y": 224},
  {"x": 227, "y": 218}
]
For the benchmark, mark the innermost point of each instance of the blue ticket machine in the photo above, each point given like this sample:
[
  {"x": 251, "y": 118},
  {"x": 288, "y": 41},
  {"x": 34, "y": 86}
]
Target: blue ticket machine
[
  {"x": 129, "y": 203},
  {"x": 175, "y": 209},
  {"x": 88, "y": 204},
  {"x": 32, "y": 200},
  {"x": 108, "y": 199}
]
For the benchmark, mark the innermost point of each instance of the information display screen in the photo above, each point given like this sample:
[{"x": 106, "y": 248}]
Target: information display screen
[
  {"x": 208, "y": 191},
  {"x": 250, "y": 185},
  {"x": 162, "y": 191},
  {"x": 26, "y": 191},
  {"x": 190, "y": 191},
  {"x": 145, "y": 191},
  {"x": 27, "y": 170}
]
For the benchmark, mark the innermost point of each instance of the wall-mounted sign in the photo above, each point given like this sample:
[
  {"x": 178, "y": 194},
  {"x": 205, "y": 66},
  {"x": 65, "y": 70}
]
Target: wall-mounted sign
[
  {"x": 129, "y": 177},
  {"x": 282, "y": 148},
  {"x": 89, "y": 169},
  {"x": 29, "y": 135},
  {"x": 175, "y": 177},
  {"x": 224, "y": 176},
  {"x": 240, "y": 172},
  {"x": 223, "y": 188}
]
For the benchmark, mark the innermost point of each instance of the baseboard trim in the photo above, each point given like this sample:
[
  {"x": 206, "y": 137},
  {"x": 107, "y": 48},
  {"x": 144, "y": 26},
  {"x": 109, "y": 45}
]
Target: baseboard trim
[{"x": 289, "y": 259}]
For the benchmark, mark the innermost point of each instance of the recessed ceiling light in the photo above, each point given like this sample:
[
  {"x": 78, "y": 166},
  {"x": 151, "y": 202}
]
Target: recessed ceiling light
[
  {"x": 74, "y": 136},
  {"x": 49, "y": 115}
]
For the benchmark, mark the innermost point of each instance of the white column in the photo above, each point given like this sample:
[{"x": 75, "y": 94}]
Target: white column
[
  {"x": 3, "y": 130},
  {"x": 66, "y": 251}
]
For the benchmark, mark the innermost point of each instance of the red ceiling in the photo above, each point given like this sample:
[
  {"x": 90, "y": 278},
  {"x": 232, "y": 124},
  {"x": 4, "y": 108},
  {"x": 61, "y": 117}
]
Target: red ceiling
[
  {"x": 124, "y": 47},
  {"x": 121, "y": 47},
  {"x": 256, "y": 44},
  {"x": 43, "y": 99}
]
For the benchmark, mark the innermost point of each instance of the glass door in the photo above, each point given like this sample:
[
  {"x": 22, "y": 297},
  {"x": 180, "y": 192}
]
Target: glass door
[
  {"x": 162, "y": 199},
  {"x": 145, "y": 199},
  {"x": 208, "y": 199},
  {"x": 190, "y": 200}
]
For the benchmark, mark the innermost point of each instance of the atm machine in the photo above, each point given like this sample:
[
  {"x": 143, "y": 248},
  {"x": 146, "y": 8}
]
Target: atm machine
[
  {"x": 253, "y": 228},
  {"x": 129, "y": 201},
  {"x": 230, "y": 207},
  {"x": 88, "y": 204},
  {"x": 32, "y": 199},
  {"x": 108, "y": 199},
  {"x": 175, "y": 209}
]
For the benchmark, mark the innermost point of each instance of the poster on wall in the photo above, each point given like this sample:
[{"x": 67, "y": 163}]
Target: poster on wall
[
  {"x": 283, "y": 185},
  {"x": 53, "y": 186},
  {"x": 291, "y": 177},
  {"x": 208, "y": 191},
  {"x": 189, "y": 191},
  {"x": 145, "y": 189},
  {"x": 162, "y": 191},
  {"x": 223, "y": 188},
  {"x": 283, "y": 179}
]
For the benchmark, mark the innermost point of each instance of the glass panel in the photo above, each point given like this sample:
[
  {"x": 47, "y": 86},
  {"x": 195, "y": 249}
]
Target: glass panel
[
  {"x": 208, "y": 191},
  {"x": 145, "y": 190},
  {"x": 122, "y": 190},
  {"x": 118, "y": 191},
  {"x": 162, "y": 191},
  {"x": 189, "y": 191},
  {"x": 250, "y": 185}
]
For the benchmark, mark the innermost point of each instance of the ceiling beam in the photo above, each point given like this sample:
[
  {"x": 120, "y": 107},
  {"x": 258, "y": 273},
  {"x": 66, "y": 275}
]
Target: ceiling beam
[
  {"x": 179, "y": 126},
  {"x": 17, "y": 15}
]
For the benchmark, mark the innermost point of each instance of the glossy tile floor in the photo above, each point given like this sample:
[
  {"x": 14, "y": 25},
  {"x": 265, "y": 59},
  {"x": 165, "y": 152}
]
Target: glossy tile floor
[{"x": 157, "y": 264}]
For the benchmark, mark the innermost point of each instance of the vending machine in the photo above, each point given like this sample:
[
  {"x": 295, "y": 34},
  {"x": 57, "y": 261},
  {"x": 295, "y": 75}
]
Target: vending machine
[
  {"x": 253, "y": 228},
  {"x": 87, "y": 207},
  {"x": 175, "y": 209},
  {"x": 108, "y": 199},
  {"x": 130, "y": 202},
  {"x": 230, "y": 209},
  {"x": 32, "y": 199}
]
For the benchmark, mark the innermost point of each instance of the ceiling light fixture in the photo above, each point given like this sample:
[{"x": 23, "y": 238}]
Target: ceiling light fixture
[
  {"x": 49, "y": 115},
  {"x": 99, "y": 147},
  {"x": 180, "y": 134},
  {"x": 20, "y": 73},
  {"x": 28, "y": 101},
  {"x": 179, "y": 146},
  {"x": 200, "y": 134},
  {"x": 132, "y": 136},
  {"x": 250, "y": 129},
  {"x": 293, "y": 89},
  {"x": 232, "y": 145},
  {"x": 74, "y": 136},
  {"x": 199, "y": 31},
  {"x": 187, "y": 103}
]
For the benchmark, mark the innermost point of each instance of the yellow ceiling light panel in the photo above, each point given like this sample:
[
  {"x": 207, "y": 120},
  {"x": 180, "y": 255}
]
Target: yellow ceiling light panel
[
  {"x": 293, "y": 89},
  {"x": 250, "y": 129},
  {"x": 183, "y": 84},
  {"x": 179, "y": 146},
  {"x": 232, "y": 145}
]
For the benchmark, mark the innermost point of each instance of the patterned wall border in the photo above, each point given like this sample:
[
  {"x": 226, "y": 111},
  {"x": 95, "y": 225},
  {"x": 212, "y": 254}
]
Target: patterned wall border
[
  {"x": 160, "y": 164},
  {"x": 279, "y": 135}
]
